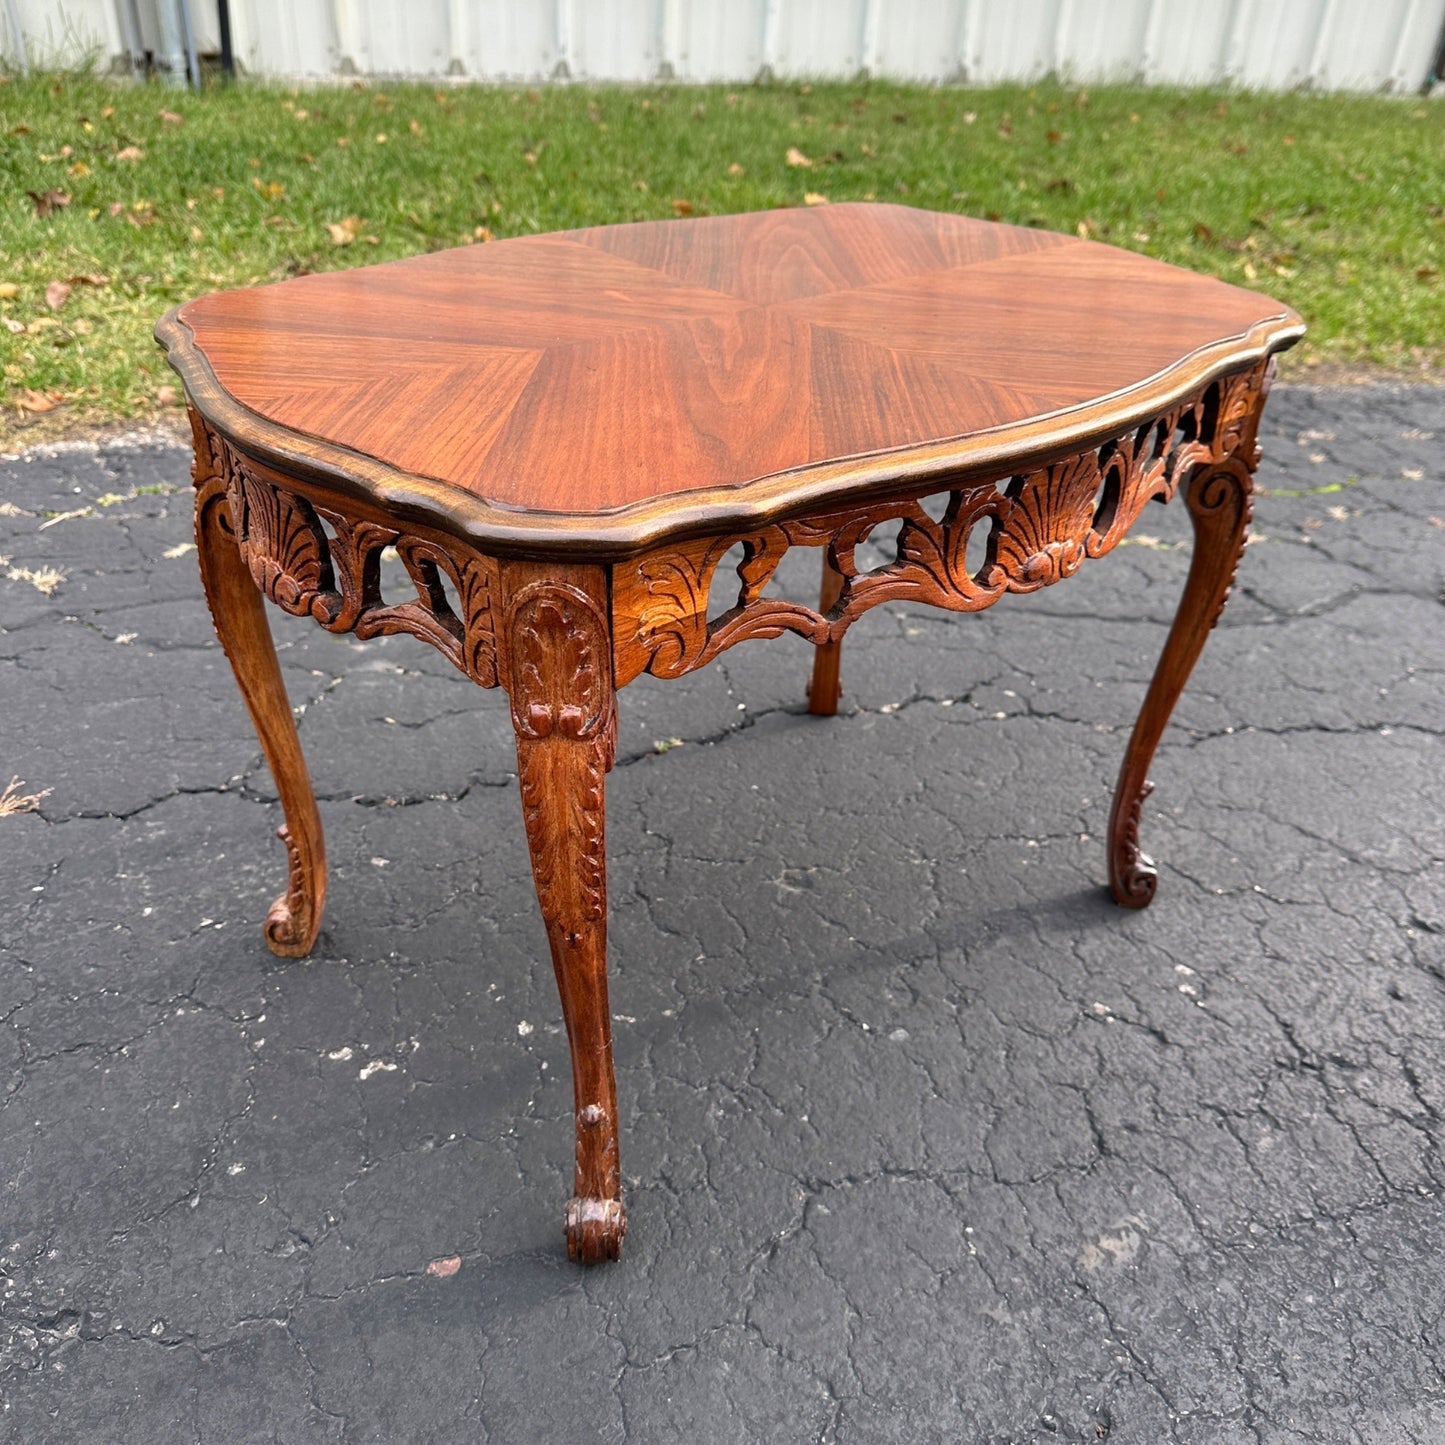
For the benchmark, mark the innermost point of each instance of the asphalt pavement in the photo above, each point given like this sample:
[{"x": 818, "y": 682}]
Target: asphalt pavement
[{"x": 924, "y": 1140}]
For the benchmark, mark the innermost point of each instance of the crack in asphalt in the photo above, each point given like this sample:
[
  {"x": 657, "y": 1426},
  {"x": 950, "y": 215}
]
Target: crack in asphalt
[{"x": 929, "y": 1141}]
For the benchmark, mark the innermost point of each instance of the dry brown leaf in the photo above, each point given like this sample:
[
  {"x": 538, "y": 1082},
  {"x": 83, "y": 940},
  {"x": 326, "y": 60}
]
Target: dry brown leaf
[
  {"x": 56, "y": 295},
  {"x": 812, "y": 198},
  {"x": 79, "y": 170},
  {"x": 795, "y": 157},
  {"x": 169, "y": 117},
  {"x": 482, "y": 233},
  {"x": 736, "y": 170},
  {"x": 47, "y": 202},
  {"x": 681, "y": 208},
  {"x": 107, "y": 112},
  {"x": 14, "y": 327},
  {"x": 117, "y": 208},
  {"x": 272, "y": 190},
  {"x": 167, "y": 395},
  {"x": 89, "y": 278},
  {"x": 343, "y": 233},
  {"x": 130, "y": 153},
  {"x": 414, "y": 126},
  {"x": 39, "y": 401}
]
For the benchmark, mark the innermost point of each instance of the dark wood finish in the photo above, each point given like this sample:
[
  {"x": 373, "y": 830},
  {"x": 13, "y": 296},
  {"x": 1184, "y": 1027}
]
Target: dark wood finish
[
  {"x": 245, "y": 635},
  {"x": 646, "y": 398},
  {"x": 598, "y": 391}
]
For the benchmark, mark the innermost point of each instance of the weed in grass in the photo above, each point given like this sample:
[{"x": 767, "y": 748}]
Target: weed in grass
[{"x": 120, "y": 200}]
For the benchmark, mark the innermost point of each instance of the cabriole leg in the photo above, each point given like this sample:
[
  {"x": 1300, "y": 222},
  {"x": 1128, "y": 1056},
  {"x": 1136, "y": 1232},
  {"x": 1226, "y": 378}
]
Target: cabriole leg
[
  {"x": 1219, "y": 499},
  {"x": 239, "y": 613},
  {"x": 825, "y": 688},
  {"x": 565, "y": 717}
]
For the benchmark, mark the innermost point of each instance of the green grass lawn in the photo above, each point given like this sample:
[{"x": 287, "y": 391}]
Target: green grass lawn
[{"x": 1333, "y": 204}]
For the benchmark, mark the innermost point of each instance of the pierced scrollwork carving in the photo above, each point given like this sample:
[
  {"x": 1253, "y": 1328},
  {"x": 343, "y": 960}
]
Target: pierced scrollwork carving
[
  {"x": 335, "y": 576},
  {"x": 1041, "y": 526}
]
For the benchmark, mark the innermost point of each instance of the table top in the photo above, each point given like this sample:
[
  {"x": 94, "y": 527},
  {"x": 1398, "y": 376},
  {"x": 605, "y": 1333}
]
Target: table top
[{"x": 607, "y": 387}]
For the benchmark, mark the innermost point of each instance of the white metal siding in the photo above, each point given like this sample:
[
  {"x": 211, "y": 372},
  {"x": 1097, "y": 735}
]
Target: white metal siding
[{"x": 1328, "y": 44}]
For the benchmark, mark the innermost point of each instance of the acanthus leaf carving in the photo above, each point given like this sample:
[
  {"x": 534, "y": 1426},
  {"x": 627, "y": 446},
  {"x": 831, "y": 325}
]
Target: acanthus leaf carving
[
  {"x": 335, "y": 576},
  {"x": 1042, "y": 525},
  {"x": 564, "y": 714}
]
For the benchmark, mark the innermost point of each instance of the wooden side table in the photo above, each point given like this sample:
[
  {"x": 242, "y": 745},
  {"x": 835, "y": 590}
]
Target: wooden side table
[{"x": 563, "y": 436}]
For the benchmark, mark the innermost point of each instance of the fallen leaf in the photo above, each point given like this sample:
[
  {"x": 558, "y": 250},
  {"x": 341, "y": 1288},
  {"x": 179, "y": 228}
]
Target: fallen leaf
[
  {"x": 56, "y": 294},
  {"x": 167, "y": 396},
  {"x": 482, "y": 233},
  {"x": 117, "y": 208},
  {"x": 682, "y": 208},
  {"x": 414, "y": 126},
  {"x": 171, "y": 118},
  {"x": 107, "y": 112},
  {"x": 1085, "y": 229},
  {"x": 795, "y": 157},
  {"x": 8, "y": 290},
  {"x": 14, "y": 327},
  {"x": 969, "y": 116},
  {"x": 1426, "y": 273},
  {"x": 39, "y": 401},
  {"x": 47, "y": 202},
  {"x": 343, "y": 233},
  {"x": 812, "y": 198},
  {"x": 381, "y": 138},
  {"x": 1203, "y": 232},
  {"x": 130, "y": 153},
  {"x": 272, "y": 190},
  {"x": 79, "y": 170},
  {"x": 444, "y": 1268},
  {"x": 89, "y": 278},
  {"x": 1061, "y": 183},
  {"x": 736, "y": 170},
  {"x": 1005, "y": 129},
  {"x": 1054, "y": 137}
]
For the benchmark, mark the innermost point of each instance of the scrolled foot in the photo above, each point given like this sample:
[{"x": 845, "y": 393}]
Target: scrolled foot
[
  {"x": 595, "y": 1229},
  {"x": 1133, "y": 878},
  {"x": 294, "y": 920}
]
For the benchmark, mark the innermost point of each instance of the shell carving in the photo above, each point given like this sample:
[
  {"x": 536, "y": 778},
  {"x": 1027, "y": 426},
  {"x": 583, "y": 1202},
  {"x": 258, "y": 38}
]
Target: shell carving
[
  {"x": 1040, "y": 528},
  {"x": 1047, "y": 525}
]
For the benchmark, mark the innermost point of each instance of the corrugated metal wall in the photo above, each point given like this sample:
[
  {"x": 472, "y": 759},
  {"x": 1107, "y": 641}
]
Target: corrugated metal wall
[{"x": 1327, "y": 44}]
